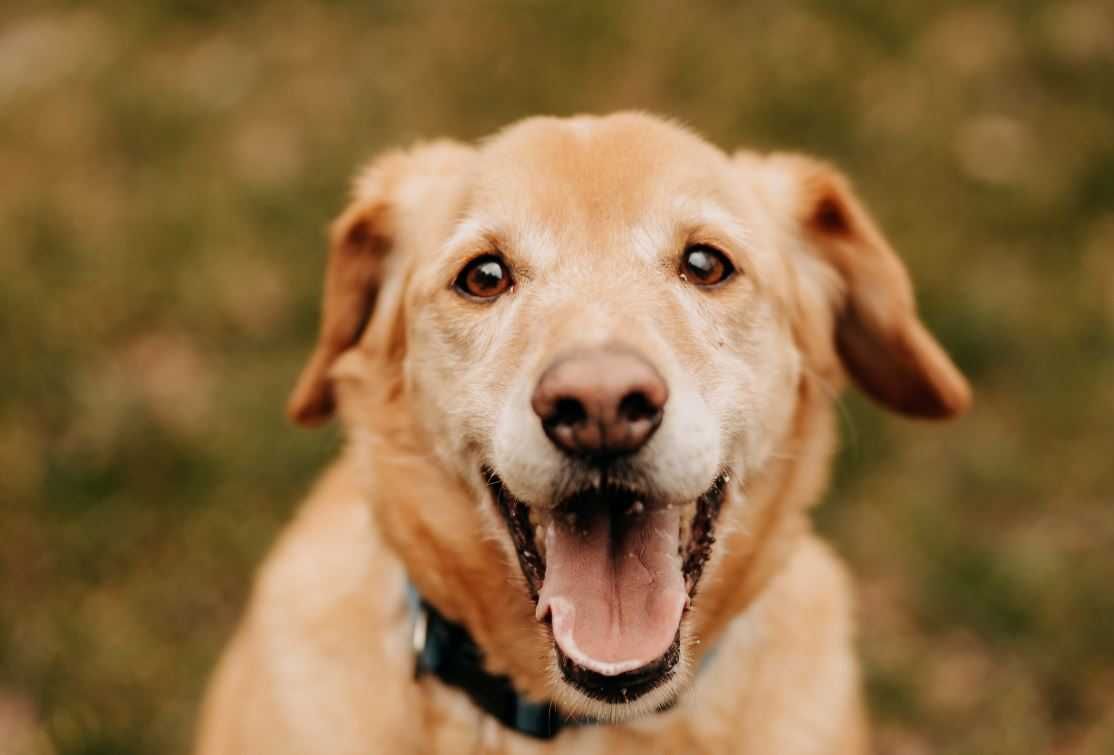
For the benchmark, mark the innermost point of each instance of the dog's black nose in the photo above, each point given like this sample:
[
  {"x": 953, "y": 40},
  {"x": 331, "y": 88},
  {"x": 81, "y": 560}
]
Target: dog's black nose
[{"x": 600, "y": 402}]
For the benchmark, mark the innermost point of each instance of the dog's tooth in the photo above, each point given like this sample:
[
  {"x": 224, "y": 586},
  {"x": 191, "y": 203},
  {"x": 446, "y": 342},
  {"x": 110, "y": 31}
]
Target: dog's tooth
[{"x": 540, "y": 534}]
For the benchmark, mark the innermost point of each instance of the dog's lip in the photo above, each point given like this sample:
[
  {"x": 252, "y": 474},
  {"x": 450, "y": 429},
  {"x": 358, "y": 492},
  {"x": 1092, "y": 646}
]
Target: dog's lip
[
  {"x": 625, "y": 687},
  {"x": 694, "y": 551}
]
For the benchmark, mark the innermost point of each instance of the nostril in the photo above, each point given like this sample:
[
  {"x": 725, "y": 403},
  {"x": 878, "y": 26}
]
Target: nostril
[
  {"x": 636, "y": 406},
  {"x": 568, "y": 411}
]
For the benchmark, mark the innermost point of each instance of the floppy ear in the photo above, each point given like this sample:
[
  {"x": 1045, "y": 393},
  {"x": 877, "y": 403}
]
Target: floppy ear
[
  {"x": 359, "y": 241},
  {"x": 876, "y": 333},
  {"x": 417, "y": 185}
]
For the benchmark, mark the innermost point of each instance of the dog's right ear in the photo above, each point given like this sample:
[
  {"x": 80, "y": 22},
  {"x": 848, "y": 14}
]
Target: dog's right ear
[
  {"x": 359, "y": 241},
  {"x": 419, "y": 184}
]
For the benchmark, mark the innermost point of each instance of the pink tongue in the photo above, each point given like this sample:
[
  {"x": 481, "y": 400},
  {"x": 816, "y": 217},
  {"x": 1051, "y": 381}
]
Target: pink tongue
[{"x": 616, "y": 602}]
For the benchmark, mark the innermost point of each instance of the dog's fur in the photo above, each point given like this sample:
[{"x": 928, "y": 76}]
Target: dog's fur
[{"x": 592, "y": 214}]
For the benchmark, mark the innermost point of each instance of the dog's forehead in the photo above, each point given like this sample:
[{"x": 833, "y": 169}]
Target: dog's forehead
[{"x": 594, "y": 170}]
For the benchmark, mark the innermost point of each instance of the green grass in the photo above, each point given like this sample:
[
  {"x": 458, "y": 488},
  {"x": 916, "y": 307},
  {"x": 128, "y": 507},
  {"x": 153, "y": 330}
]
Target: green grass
[{"x": 167, "y": 175}]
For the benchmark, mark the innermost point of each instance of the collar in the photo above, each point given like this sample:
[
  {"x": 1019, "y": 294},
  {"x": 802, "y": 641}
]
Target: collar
[{"x": 444, "y": 649}]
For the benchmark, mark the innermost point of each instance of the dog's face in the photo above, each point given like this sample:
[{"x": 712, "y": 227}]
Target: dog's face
[{"x": 602, "y": 326}]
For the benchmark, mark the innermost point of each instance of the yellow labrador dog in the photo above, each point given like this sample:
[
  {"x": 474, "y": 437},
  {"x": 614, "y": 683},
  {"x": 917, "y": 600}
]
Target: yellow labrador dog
[{"x": 586, "y": 372}]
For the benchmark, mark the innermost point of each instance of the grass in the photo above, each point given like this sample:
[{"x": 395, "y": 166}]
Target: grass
[{"x": 152, "y": 154}]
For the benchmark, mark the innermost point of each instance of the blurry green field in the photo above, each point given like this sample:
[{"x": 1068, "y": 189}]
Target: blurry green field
[{"x": 165, "y": 178}]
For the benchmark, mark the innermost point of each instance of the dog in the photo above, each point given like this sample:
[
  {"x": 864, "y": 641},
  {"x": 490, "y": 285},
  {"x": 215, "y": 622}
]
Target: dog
[{"x": 587, "y": 371}]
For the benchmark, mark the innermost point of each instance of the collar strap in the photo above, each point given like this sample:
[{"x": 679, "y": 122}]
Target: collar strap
[{"x": 445, "y": 650}]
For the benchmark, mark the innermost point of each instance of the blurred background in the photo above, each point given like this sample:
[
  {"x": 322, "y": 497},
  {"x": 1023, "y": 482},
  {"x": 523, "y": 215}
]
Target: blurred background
[{"x": 166, "y": 175}]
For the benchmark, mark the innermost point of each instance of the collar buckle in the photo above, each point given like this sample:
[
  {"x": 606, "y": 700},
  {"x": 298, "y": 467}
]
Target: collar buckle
[{"x": 418, "y": 637}]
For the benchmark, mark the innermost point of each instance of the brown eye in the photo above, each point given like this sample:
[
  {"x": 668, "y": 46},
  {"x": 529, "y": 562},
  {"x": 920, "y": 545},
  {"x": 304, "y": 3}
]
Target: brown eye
[
  {"x": 705, "y": 265},
  {"x": 484, "y": 278}
]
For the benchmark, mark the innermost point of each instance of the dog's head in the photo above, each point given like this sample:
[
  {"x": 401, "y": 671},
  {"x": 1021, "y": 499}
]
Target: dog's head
[{"x": 601, "y": 328}]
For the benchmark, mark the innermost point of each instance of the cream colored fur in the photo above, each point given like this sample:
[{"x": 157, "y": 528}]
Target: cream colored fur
[{"x": 592, "y": 214}]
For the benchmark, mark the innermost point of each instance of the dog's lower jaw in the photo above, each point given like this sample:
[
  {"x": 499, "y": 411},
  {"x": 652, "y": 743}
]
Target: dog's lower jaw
[{"x": 576, "y": 704}]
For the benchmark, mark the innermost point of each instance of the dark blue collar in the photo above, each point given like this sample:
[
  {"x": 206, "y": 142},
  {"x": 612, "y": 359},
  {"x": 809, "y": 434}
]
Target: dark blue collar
[{"x": 444, "y": 649}]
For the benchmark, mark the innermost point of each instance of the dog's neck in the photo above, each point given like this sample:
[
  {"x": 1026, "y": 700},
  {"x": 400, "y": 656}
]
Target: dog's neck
[{"x": 451, "y": 547}]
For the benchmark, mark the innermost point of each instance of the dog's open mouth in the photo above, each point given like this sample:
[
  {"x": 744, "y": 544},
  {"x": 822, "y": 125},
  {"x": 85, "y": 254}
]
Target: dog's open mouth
[{"x": 613, "y": 572}]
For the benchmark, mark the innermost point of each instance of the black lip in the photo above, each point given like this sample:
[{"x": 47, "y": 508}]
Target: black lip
[
  {"x": 626, "y": 687},
  {"x": 629, "y": 686},
  {"x": 703, "y": 535},
  {"x": 517, "y": 516}
]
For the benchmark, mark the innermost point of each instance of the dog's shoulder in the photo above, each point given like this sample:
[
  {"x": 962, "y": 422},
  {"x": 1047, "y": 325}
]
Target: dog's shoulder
[
  {"x": 330, "y": 559},
  {"x": 324, "y": 637}
]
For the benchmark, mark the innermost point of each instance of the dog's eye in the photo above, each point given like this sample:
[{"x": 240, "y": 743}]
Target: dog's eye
[
  {"x": 484, "y": 278},
  {"x": 705, "y": 265}
]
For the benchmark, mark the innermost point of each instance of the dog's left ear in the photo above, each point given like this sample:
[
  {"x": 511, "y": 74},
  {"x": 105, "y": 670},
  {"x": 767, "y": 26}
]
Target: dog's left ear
[{"x": 871, "y": 313}]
